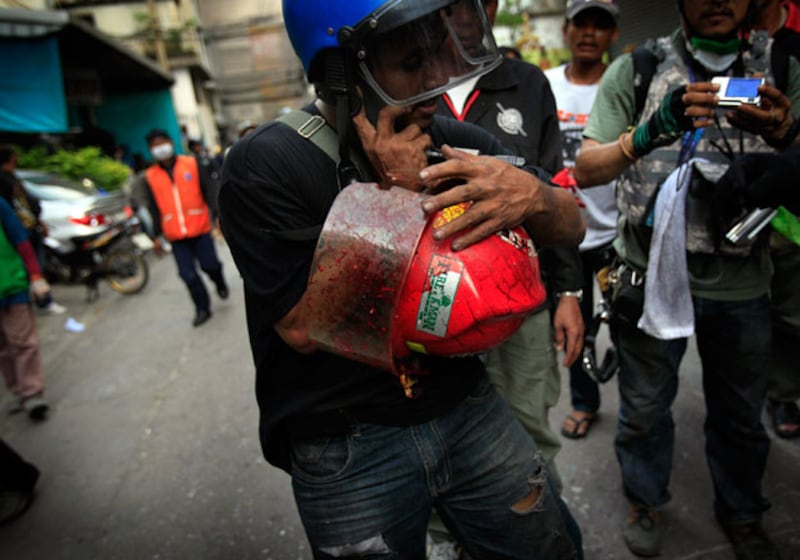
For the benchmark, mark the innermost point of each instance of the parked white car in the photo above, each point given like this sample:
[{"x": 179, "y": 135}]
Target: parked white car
[{"x": 73, "y": 210}]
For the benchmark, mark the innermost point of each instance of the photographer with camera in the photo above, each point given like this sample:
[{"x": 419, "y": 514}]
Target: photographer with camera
[{"x": 679, "y": 126}]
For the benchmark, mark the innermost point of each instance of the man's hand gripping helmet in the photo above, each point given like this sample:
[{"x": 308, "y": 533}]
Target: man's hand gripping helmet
[
  {"x": 382, "y": 291},
  {"x": 338, "y": 42}
]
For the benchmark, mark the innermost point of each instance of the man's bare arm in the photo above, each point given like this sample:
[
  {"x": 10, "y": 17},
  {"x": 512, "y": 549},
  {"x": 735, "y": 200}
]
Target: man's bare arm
[
  {"x": 598, "y": 164},
  {"x": 685, "y": 108},
  {"x": 559, "y": 223}
]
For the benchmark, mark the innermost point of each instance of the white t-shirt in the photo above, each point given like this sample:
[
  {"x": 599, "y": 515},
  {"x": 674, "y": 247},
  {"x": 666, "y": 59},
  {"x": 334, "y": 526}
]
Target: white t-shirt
[
  {"x": 574, "y": 103},
  {"x": 458, "y": 95}
]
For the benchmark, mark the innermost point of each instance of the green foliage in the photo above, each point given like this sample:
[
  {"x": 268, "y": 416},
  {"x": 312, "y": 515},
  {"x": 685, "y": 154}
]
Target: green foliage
[
  {"x": 90, "y": 162},
  {"x": 143, "y": 19},
  {"x": 508, "y": 19},
  {"x": 35, "y": 158}
]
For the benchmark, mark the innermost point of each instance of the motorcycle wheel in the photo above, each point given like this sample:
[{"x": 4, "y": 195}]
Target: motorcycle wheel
[{"x": 126, "y": 271}]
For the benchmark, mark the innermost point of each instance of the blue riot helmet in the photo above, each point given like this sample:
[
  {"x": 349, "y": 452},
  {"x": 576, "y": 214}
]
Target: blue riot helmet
[
  {"x": 312, "y": 25},
  {"x": 338, "y": 42}
]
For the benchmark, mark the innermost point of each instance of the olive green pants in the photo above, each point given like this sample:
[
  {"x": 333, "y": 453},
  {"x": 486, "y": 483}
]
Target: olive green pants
[{"x": 525, "y": 371}]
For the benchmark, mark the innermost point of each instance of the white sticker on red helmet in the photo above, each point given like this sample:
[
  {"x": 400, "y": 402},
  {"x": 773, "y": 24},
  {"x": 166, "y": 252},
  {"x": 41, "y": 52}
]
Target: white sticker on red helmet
[{"x": 436, "y": 303}]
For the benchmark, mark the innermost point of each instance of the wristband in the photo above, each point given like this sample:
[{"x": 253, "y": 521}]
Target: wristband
[
  {"x": 571, "y": 293},
  {"x": 626, "y": 151},
  {"x": 664, "y": 126}
]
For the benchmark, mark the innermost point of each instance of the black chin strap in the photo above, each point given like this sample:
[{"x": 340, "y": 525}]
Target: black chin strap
[
  {"x": 339, "y": 86},
  {"x": 346, "y": 171}
]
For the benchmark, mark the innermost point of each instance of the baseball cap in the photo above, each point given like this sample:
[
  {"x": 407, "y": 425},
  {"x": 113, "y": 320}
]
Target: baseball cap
[{"x": 574, "y": 7}]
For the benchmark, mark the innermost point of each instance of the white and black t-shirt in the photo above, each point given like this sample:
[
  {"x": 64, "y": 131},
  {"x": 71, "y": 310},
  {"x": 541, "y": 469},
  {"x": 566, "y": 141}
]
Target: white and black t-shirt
[{"x": 574, "y": 103}]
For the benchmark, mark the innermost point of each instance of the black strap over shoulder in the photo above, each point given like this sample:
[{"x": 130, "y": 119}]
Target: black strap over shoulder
[
  {"x": 645, "y": 62},
  {"x": 780, "y": 66}
]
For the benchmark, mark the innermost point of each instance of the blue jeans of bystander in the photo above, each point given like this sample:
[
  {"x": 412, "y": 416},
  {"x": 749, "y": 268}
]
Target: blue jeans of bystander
[
  {"x": 198, "y": 249},
  {"x": 733, "y": 339}
]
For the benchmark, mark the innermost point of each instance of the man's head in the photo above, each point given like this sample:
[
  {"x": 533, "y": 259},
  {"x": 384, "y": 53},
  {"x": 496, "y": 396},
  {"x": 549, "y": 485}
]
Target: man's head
[
  {"x": 767, "y": 15},
  {"x": 590, "y": 29},
  {"x": 395, "y": 52},
  {"x": 468, "y": 22},
  {"x": 718, "y": 20},
  {"x": 575, "y": 7},
  {"x": 510, "y": 52},
  {"x": 8, "y": 158},
  {"x": 195, "y": 146},
  {"x": 160, "y": 145},
  {"x": 713, "y": 30},
  {"x": 245, "y": 128}
]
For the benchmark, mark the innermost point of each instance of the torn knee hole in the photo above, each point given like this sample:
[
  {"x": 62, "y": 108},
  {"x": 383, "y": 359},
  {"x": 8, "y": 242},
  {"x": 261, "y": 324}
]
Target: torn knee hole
[
  {"x": 537, "y": 481},
  {"x": 530, "y": 502},
  {"x": 368, "y": 547}
]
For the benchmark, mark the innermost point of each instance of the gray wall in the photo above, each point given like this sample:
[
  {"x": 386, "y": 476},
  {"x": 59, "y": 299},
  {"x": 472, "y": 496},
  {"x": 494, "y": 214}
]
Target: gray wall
[{"x": 640, "y": 20}]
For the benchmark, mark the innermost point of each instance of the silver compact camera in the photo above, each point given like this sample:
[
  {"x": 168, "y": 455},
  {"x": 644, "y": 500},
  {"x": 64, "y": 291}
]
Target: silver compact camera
[{"x": 738, "y": 91}]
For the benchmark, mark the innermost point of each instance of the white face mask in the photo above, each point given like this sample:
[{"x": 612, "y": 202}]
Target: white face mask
[
  {"x": 712, "y": 61},
  {"x": 162, "y": 152},
  {"x": 715, "y": 62}
]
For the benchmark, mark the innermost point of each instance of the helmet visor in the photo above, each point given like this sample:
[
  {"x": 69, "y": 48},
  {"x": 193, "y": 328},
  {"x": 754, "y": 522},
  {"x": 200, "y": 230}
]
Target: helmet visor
[{"x": 425, "y": 57}]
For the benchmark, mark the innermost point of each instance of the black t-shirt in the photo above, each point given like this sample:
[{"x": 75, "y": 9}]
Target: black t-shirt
[
  {"x": 514, "y": 102},
  {"x": 277, "y": 188}
]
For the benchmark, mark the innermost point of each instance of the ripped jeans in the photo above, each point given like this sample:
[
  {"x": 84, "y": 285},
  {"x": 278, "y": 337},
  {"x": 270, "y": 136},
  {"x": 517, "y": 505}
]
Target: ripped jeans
[{"x": 369, "y": 494}]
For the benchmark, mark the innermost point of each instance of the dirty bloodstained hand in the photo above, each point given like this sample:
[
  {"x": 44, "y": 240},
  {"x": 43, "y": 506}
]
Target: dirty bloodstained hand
[
  {"x": 502, "y": 195},
  {"x": 397, "y": 157}
]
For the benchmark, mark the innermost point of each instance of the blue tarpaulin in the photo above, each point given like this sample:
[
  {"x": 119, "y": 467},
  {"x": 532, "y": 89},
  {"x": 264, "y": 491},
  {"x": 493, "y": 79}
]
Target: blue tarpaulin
[
  {"x": 130, "y": 117},
  {"x": 31, "y": 86}
]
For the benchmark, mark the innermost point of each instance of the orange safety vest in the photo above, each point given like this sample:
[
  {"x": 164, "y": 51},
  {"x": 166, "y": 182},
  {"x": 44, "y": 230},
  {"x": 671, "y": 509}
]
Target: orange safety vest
[{"x": 184, "y": 211}]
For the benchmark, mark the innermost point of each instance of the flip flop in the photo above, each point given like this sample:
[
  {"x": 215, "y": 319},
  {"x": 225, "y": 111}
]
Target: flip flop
[
  {"x": 785, "y": 414},
  {"x": 575, "y": 432}
]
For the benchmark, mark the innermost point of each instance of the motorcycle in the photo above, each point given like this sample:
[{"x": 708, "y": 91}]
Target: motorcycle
[{"x": 115, "y": 254}]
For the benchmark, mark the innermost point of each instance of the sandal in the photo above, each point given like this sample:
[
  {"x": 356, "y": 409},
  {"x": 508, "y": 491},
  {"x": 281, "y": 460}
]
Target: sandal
[
  {"x": 580, "y": 426},
  {"x": 785, "y": 418}
]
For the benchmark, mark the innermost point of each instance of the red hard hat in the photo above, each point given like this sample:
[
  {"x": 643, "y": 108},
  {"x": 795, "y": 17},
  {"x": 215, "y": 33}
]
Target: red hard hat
[
  {"x": 464, "y": 303},
  {"x": 382, "y": 288}
]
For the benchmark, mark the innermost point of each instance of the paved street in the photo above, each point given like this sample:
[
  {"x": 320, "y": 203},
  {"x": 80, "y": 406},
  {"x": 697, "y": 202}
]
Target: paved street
[{"x": 151, "y": 449}]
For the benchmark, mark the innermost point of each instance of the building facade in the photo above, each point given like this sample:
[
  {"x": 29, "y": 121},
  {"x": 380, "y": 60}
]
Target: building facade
[
  {"x": 257, "y": 73},
  {"x": 64, "y": 83},
  {"x": 168, "y": 32}
]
